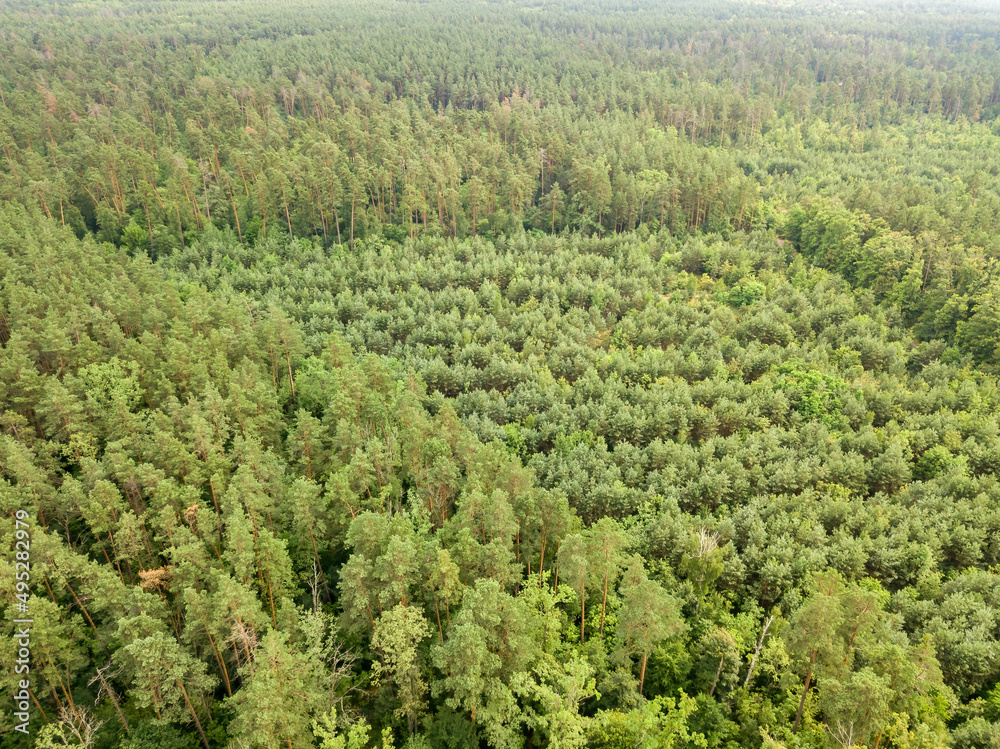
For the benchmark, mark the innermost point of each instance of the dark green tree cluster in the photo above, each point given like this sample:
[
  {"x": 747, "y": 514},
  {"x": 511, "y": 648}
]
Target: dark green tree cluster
[{"x": 949, "y": 292}]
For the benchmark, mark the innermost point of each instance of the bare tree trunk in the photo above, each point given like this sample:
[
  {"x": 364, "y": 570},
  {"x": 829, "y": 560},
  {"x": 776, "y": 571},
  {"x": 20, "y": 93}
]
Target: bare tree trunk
[
  {"x": 541, "y": 558},
  {"x": 756, "y": 652},
  {"x": 805, "y": 691},
  {"x": 106, "y": 688},
  {"x": 604, "y": 604},
  {"x": 197, "y": 723},
  {"x": 718, "y": 673}
]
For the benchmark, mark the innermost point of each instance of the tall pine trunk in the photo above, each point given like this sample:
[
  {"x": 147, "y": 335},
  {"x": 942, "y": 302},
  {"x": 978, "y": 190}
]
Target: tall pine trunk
[{"x": 805, "y": 691}]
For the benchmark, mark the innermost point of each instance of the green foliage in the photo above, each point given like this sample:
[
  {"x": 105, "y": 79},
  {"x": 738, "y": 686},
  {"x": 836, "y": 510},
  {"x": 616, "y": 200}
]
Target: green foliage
[
  {"x": 744, "y": 294},
  {"x": 661, "y": 722},
  {"x": 816, "y": 395},
  {"x": 397, "y": 635},
  {"x": 150, "y": 735},
  {"x": 449, "y": 375},
  {"x": 330, "y": 737}
]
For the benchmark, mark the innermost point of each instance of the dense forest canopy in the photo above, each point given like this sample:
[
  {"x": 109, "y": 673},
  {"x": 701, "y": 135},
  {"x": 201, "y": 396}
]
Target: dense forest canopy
[{"x": 500, "y": 374}]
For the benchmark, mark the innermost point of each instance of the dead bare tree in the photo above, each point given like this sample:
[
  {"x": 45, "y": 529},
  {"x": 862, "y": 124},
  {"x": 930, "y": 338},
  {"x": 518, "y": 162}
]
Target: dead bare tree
[
  {"x": 107, "y": 690},
  {"x": 760, "y": 644},
  {"x": 74, "y": 723}
]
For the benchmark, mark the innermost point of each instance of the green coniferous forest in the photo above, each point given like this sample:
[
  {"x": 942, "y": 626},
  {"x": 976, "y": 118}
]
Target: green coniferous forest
[{"x": 522, "y": 374}]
